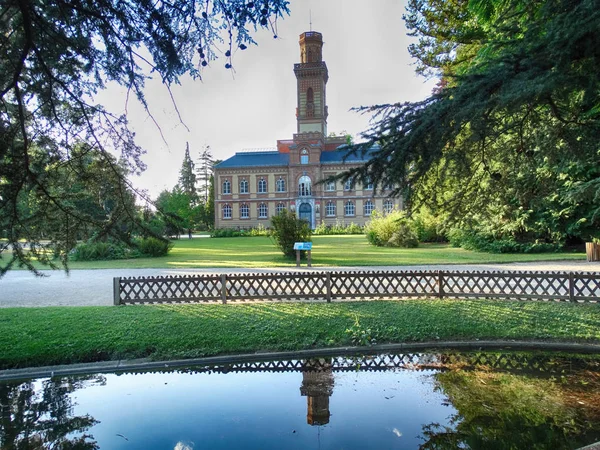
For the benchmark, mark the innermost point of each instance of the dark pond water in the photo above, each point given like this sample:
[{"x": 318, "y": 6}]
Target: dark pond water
[{"x": 427, "y": 401}]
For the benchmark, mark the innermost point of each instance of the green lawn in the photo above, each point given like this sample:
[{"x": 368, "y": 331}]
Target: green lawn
[
  {"x": 257, "y": 252},
  {"x": 61, "y": 335}
]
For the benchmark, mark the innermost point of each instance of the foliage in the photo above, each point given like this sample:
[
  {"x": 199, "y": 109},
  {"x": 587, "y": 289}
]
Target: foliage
[
  {"x": 187, "y": 177},
  {"x": 481, "y": 242},
  {"x": 260, "y": 230},
  {"x": 360, "y": 335},
  {"x": 179, "y": 212},
  {"x": 287, "y": 229},
  {"x": 391, "y": 230},
  {"x": 205, "y": 173},
  {"x": 98, "y": 251},
  {"x": 338, "y": 228},
  {"x": 427, "y": 226},
  {"x": 227, "y": 233},
  {"x": 509, "y": 137},
  {"x": 55, "y": 58},
  {"x": 153, "y": 248}
]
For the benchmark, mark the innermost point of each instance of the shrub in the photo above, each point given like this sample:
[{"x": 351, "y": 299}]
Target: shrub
[
  {"x": 153, "y": 247},
  {"x": 227, "y": 232},
  {"x": 260, "y": 230},
  {"x": 429, "y": 228},
  {"x": 100, "y": 250},
  {"x": 486, "y": 242},
  {"x": 288, "y": 229},
  {"x": 392, "y": 230},
  {"x": 338, "y": 228}
]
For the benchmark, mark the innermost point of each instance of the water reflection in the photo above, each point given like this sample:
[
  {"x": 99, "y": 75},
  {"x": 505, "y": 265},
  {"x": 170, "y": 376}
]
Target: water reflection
[
  {"x": 428, "y": 401},
  {"x": 39, "y": 415}
]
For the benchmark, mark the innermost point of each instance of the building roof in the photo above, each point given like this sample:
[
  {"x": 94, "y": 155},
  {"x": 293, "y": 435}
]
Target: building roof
[
  {"x": 275, "y": 158},
  {"x": 255, "y": 159},
  {"x": 337, "y": 156}
]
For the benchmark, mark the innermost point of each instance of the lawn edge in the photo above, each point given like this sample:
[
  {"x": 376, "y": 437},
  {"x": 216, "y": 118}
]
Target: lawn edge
[{"x": 146, "y": 364}]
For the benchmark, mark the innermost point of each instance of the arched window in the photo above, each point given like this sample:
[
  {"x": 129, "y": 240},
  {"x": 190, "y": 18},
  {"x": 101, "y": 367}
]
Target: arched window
[
  {"x": 280, "y": 208},
  {"x": 310, "y": 55},
  {"x": 280, "y": 185},
  {"x": 304, "y": 188},
  {"x": 244, "y": 211},
  {"x": 349, "y": 185},
  {"x": 304, "y": 157},
  {"x": 263, "y": 211},
  {"x": 262, "y": 186},
  {"x": 330, "y": 209},
  {"x": 226, "y": 211},
  {"x": 226, "y": 187},
  {"x": 243, "y": 186},
  {"x": 388, "y": 206},
  {"x": 368, "y": 184},
  {"x": 349, "y": 208},
  {"x": 368, "y": 207},
  {"x": 310, "y": 95}
]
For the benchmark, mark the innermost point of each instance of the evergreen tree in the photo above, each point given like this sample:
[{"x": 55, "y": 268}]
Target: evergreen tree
[
  {"x": 205, "y": 172},
  {"x": 57, "y": 55},
  {"x": 509, "y": 137},
  {"x": 187, "y": 176}
]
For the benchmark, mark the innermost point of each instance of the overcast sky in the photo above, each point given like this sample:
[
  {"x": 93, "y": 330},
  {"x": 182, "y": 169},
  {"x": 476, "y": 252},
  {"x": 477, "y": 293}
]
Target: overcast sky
[{"x": 365, "y": 48}]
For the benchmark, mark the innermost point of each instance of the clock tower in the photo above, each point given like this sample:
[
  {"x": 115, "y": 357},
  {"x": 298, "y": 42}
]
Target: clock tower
[{"x": 311, "y": 75}]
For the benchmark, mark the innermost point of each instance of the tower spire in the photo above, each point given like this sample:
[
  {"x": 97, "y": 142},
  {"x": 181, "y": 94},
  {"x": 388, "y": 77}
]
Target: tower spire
[{"x": 310, "y": 18}]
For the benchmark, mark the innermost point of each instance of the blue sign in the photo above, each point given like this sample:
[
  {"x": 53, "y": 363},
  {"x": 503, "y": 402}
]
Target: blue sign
[{"x": 302, "y": 245}]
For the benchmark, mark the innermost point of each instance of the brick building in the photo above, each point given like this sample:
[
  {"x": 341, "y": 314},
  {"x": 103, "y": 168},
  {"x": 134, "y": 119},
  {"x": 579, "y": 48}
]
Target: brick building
[{"x": 250, "y": 187}]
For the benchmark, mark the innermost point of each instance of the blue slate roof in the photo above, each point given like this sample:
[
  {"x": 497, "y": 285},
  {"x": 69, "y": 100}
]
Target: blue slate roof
[
  {"x": 274, "y": 158},
  {"x": 255, "y": 159},
  {"x": 337, "y": 156}
]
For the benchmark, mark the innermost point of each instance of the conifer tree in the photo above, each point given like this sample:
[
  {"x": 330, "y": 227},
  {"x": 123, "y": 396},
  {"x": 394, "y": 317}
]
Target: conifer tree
[{"x": 187, "y": 176}]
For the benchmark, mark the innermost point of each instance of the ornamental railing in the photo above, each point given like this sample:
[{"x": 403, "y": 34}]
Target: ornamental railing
[{"x": 358, "y": 285}]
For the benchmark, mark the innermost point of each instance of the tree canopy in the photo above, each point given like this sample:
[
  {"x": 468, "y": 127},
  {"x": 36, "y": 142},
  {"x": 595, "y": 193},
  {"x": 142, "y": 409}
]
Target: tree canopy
[
  {"x": 510, "y": 135},
  {"x": 57, "y": 55}
]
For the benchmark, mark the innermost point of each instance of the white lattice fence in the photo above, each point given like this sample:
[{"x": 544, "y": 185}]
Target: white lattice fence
[{"x": 341, "y": 285}]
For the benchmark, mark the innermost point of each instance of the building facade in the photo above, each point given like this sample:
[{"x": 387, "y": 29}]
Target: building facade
[{"x": 251, "y": 187}]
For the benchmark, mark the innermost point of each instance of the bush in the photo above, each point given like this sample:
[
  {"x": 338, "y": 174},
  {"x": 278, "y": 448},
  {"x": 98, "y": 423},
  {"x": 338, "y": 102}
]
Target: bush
[
  {"x": 97, "y": 250},
  {"x": 260, "y": 230},
  {"x": 153, "y": 247},
  {"x": 391, "y": 230},
  {"x": 227, "y": 232},
  {"x": 485, "y": 242},
  {"x": 288, "y": 229},
  {"x": 429, "y": 228},
  {"x": 338, "y": 228}
]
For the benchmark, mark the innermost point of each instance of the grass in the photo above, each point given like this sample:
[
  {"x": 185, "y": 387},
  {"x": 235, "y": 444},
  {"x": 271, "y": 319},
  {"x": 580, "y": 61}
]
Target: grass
[
  {"x": 351, "y": 250},
  {"x": 59, "y": 335}
]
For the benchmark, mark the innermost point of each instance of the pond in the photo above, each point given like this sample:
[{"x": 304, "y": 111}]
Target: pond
[{"x": 432, "y": 400}]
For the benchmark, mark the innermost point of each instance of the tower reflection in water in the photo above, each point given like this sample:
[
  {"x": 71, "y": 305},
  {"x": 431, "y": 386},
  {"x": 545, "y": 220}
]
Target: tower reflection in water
[{"x": 317, "y": 387}]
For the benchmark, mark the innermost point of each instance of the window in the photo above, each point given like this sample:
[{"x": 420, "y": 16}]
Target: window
[
  {"x": 349, "y": 208},
  {"x": 226, "y": 187},
  {"x": 368, "y": 184},
  {"x": 262, "y": 186},
  {"x": 330, "y": 186},
  {"x": 280, "y": 208},
  {"x": 368, "y": 207},
  {"x": 263, "y": 211},
  {"x": 281, "y": 185},
  {"x": 304, "y": 157},
  {"x": 388, "y": 206},
  {"x": 330, "y": 209},
  {"x": 348, "y": 185},
  {"x": 244, "y": 211},
  {"x": 226, "y": 211},
  {"x": 388, "y": 187},
  {"x": 243, "y": 186},
  {"x": 310, "y": 95},
  {"x": 304, "y": 186}
]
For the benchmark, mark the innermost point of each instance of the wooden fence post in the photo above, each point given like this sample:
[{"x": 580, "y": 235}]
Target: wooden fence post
[
  {"x": 440, "y": 283},
  {"x": 571, "y": 286},
  {"x": 223, "y": 288},
  {"x": 328, "y": 284},
  {"x": 116, "y": 291}
]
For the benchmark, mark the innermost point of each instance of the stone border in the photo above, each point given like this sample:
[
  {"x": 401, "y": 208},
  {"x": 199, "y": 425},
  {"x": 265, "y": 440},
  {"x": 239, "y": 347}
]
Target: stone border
[{"x": 146, "y": 364}]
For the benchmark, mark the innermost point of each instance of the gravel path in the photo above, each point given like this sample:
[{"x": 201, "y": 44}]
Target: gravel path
[{"x": 94, "y": 287}]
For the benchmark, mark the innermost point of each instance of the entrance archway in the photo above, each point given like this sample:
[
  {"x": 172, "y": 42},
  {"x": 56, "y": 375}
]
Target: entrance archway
[{"x": 305, "y": 213}]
